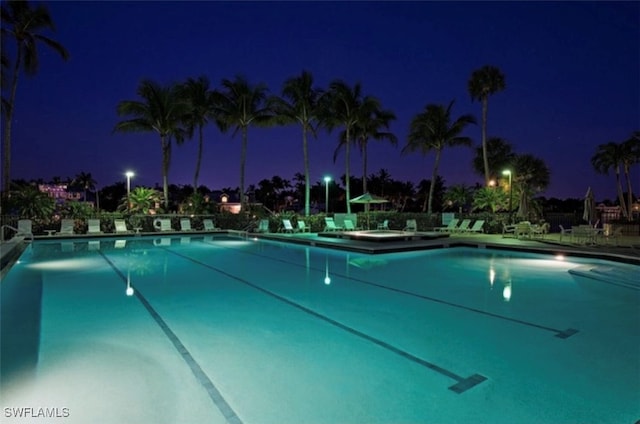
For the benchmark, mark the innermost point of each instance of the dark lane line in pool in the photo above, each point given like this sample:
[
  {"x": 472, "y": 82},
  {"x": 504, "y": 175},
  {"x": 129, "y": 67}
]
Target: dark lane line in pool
[
  {"x": 215, "y": 395},
  {"x": 561, "y": 334},
  {"x": 462, "y": 384}
]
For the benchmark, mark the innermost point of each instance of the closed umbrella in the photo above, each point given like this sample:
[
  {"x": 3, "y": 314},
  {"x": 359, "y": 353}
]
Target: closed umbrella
[
  {"x": 524, "y": 206},
  {"x": 367, "y": 199},
  {"x": 589, "y": 213}
]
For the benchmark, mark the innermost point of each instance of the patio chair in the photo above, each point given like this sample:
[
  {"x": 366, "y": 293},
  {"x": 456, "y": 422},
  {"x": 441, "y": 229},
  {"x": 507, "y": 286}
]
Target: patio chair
[
  {"x": 464, "y": 226},
  {"x": 348, "y": 225},
  {"x": 121, "y": 226},
  {"x": 185, "y": 224},
  {"x": 384, "y": 225},
  {"x": 330, "y": 225},
  {"x": 523, "y": 229},
  {"x": 477, "y": 227},
  {"x": 302, "y": 227},
  {"x": 93, "y": 226},
  {"x": 508, "y": 229},
  {"x": 208, "y": 225},
  {"x": 66, "y": 227},
  {"x": 24, "y": 228},
  {"x": 288, "y": 228},
  {"x": 263, "y": 226},
  {"x": 412, "y": 225},
  {"x": 450, "y": 227},
  {"x": 162, "y": 224},
  {"x": 564, "y": 231}
]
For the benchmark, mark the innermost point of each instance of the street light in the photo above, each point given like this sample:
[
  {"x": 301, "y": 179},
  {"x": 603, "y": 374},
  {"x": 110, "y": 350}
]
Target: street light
[
  {"x": 326, "y": 196},
  {"x": 129, "y": 174},
  {"x": 508, "y": 172}
]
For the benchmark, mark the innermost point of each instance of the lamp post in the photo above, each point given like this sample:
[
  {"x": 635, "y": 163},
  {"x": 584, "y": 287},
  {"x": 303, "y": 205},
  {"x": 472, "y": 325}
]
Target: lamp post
[
  {"x": 129, "y": 175},
  {"x": 508, "y": 172},
  {"x": 326, "y": 195}
]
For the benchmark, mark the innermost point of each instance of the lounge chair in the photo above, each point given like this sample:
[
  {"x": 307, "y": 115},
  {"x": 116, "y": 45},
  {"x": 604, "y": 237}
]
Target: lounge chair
[
  {"x": 384, "y": 225},
  {"x": 121, "y": 226},
  {"x": 24, "y": 228},
  {"x": 93, "y": 226},
  {"x": 464, "y": 226},
  {"x": 412, "y": 225},
  {"x": 523, "y": 229},
  {"x": 66, "y": 227},
  {"x": 508, "y": 229},
  {"x": 477, "y": 227},
  {"x": 288, "y": 228},
  {"x": 330, "y": 225},
  {"x": 302, "y": 227},
  {"x": 348, "y": 225},
  {"x": 450, "y": 227},
  {"x": 263, "y": 226},
  {"x": 208, "y": 225},
  {"x": 564, "y": 231},
  {"x": 162, "y": 224},
  {"x": 185, "y": 224}
]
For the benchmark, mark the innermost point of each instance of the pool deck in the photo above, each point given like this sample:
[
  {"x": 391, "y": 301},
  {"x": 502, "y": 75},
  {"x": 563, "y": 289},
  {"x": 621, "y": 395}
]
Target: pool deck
[{"x": 627, "y": 249}]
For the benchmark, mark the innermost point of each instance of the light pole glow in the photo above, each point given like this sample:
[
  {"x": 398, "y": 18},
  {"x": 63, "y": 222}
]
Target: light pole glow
[
  {"x": 508, "y": 172},
  {"x": 326, "y": 195},
  {"x": 129, "y": 175}
]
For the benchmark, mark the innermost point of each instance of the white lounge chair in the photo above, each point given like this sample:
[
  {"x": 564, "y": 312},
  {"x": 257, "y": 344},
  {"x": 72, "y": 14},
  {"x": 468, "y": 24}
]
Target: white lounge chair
[
  {"x": 450, "y": 227},
  {"x": 263, "y": 226},
  {"x": 412, "y": 225},
  {"x": 477, "y": 227},
  {"x": 121, "y": 226},
  {"x": 348, "y": 225},
  {"x": 93, "y": 226},
  {"x": 162, "y": 224},
  {"x": 330, "y": 225},
  {"x": 208, "y": 225},
  {"x": 25, "y": 228},
  {"x": 464, "y": 226},
  {"x": 185, "y": 224},
  {"x": 508, "y": 229},
  {"x": 523, "y": 229},
  {"x": 288, "y": 228},
  {"x": 384, "y": 225},
  {"x": 66, "y": 227},
  {"x": 302, "y": 227}
]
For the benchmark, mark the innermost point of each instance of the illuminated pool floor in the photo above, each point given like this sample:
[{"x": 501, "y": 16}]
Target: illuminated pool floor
[{"x": 188, "y": 329}]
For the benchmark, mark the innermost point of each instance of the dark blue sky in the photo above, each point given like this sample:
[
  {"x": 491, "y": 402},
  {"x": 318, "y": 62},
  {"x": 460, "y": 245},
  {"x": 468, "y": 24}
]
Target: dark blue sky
[{"x": 572, "y": 72}]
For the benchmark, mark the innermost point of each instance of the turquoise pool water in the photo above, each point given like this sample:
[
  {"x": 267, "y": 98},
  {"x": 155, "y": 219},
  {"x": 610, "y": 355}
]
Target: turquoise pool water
[{"x": 195, "y": 329}]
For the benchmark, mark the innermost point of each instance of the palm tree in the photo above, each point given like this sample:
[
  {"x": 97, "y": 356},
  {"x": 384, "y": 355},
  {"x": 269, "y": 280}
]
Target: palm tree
[
  {"x": 531, "y": 176},
  {"x": 342, "y": 107},
  {"x": 23, "y": 23},
  {"x": 242, "y": 105},
  {"x": 299, "y": 104},
  {"x": 201, "y": 103},
  {"x": 630, "y": 156},
  {"x": 433, "y": 129},
  {"x": 160, "y": 110},
  {"x": 500, "y": 156},
  {"x": 141, "y": 200},
  {"x": 490, "y": 198},
  {"x": 608, "y": 156},
  {"x": 86, "y": 182},
  {"x": 483, "y": 83},
  {"x": 458, "y": 195}
]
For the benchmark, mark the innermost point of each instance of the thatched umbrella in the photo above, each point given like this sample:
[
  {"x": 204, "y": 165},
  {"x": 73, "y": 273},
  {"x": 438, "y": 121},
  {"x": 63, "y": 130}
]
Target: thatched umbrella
[{"x": 368, "y": 199}]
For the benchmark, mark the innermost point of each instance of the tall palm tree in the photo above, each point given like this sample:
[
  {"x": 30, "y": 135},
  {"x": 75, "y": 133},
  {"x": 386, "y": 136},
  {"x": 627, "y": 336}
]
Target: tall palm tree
[
  {"x": 201, "y": 103},
  {"x": 299, "y": 105},
  {"x": 630, "y": 156},
  {"x": 342, "y": 107},
  {"x": 161, "y": 110},
  {"x": 434, "y": 129},
  {"x": 24, "y": 24},
  {"x": 85, "y": 181},
  {"x": 483, "y": 83},
  {"x": 242, "y": 105},
  {"x": 371, "y": 125},
  {"x": 500, "y": 156},
  {"x": 609, "y": 156}
]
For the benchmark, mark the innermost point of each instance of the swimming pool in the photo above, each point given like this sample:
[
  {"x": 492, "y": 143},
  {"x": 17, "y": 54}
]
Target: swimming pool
[{"x": 219, "y": 329}]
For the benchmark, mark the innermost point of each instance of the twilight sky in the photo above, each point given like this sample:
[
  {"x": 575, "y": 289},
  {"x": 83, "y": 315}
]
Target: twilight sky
[{"x": 572, "y": 74}]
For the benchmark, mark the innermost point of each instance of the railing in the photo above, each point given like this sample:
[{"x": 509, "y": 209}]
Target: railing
[{"x": 15, "y": 232}]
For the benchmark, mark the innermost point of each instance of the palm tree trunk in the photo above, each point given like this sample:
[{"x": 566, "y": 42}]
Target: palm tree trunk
[
  {"x": 623, "y": 204},
  {"x": 243, "y": 159},
  {"x": 485, "y": 159},
  {"x": 199, "y": 161},
  {"x": 364, "y": 175},
  {"x": 346, "y": 178},
  {"x": 433, "y": 181},
  {"x": 166, "y": 158},
  {"x": 629, "y": 192},
  {"x": 6, "y": 163},
  {"x": 307, "y": 179}
]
